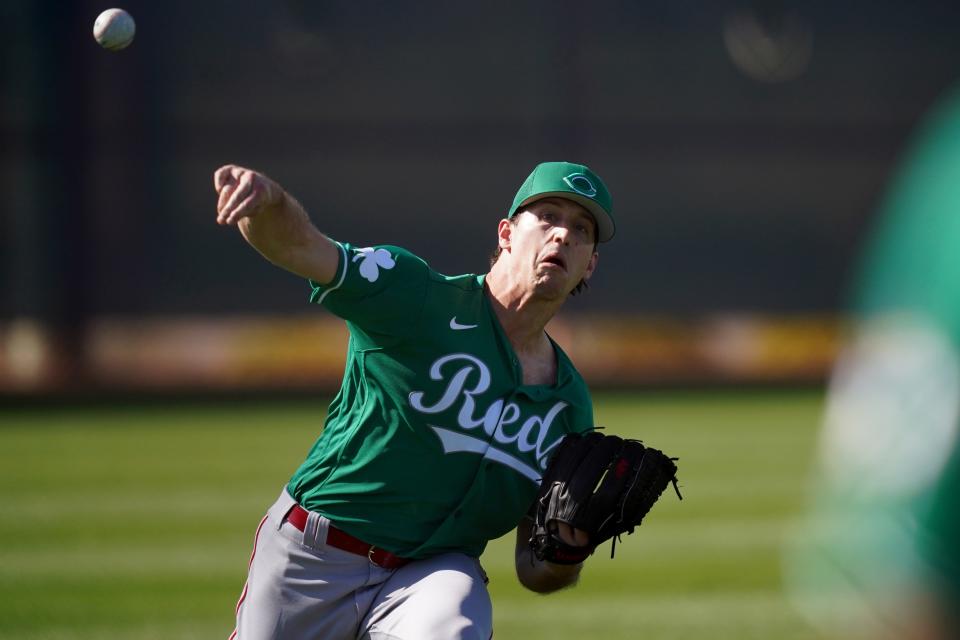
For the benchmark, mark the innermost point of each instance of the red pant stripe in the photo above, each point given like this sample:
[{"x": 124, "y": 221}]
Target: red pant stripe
[{"x": 243, "y": 594}]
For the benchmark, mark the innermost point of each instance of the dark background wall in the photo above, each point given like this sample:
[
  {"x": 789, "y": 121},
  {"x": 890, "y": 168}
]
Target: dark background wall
[{"x": 746, "y": 143}]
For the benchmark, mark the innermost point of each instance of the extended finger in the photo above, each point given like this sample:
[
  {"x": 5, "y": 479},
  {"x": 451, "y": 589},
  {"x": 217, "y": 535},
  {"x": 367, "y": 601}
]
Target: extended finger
[
  {"x": 571, "y": 536},
  {"x": 581, "y": 538}
]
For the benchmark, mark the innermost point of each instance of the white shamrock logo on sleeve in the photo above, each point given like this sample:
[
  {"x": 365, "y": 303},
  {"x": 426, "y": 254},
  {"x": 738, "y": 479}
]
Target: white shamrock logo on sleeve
[{"x": 373, "y": 259}]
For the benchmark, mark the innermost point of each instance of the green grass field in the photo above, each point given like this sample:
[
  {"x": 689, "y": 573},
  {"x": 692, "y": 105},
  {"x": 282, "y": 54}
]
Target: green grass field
[{"x": 136, "y": 523}]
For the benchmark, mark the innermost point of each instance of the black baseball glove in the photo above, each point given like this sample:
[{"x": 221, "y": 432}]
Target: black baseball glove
[{"x": 601, "y": 484}]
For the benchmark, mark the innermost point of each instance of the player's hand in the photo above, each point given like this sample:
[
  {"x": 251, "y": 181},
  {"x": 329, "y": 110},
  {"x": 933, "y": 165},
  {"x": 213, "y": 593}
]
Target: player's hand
[
  {"x": 243, "y": 193},
  {"x": 571, "y": 536}
]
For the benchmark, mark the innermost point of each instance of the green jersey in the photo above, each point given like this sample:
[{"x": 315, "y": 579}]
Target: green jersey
[{"x": 433, "y": 443}]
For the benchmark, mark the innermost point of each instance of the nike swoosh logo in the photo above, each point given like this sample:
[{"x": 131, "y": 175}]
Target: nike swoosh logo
[{"x": 456, "y": 326}]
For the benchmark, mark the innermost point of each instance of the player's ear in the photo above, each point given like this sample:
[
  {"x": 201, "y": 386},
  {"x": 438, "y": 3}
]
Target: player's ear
[
  {"x": 504, "y": 234},
  {"x": 591, "y": 265}
]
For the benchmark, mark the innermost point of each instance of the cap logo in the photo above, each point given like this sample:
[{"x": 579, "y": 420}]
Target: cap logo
[{"x": 581, "y": 184}]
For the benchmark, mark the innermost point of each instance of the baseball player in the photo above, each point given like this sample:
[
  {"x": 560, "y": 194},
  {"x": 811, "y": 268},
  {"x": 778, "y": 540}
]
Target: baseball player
[{"x": 452, "y": 400}]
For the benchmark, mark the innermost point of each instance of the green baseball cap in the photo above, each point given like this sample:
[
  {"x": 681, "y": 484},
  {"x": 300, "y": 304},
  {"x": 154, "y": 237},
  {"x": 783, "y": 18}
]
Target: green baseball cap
[{"x": 574, "y": 182}]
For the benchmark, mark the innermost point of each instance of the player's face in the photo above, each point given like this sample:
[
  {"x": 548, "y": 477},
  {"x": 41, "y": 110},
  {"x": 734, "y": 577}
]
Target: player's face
[{"x": 552, "y": 243}]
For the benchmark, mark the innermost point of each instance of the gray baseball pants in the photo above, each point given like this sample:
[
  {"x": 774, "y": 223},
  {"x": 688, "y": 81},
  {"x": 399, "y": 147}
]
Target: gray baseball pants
[{"x": 299, "y": 588}]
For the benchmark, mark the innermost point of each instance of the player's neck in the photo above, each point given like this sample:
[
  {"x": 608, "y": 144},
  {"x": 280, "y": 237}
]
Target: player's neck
[{"x": 522, "y": 314}]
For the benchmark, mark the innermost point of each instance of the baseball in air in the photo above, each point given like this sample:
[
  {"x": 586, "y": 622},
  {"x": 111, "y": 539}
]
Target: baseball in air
[{"x": 114, "y": 29}]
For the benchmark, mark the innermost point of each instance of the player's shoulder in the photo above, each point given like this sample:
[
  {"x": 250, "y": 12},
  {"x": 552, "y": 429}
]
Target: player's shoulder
[
  {"x": 383, "y": 257},
  {"x": 396, "y": 252},
  {"x": 403, "y": 260},
  {"x": 465, "y": 281}
]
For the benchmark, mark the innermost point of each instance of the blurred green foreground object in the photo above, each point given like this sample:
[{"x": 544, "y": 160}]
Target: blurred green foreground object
[{"x": 880, "y": 555}]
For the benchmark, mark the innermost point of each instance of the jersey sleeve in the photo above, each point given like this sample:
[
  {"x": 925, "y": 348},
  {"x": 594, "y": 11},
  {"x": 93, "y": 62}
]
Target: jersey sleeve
[{"x": 380, "y": 289}]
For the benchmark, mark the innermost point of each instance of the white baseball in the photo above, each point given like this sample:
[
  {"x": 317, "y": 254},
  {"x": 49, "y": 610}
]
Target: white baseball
[{"x": 114, "y": 29}]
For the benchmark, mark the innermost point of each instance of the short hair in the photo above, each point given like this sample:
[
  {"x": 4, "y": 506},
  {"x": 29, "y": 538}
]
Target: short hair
[{"x": 581, "y": 286}]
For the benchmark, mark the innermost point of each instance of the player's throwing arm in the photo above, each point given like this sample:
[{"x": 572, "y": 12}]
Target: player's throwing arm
[{"x": 274, "y": 223}]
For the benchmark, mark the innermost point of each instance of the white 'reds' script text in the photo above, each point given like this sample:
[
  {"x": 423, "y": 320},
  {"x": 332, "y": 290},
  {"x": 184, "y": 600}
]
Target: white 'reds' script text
[{"x": 498, "y": 415}]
